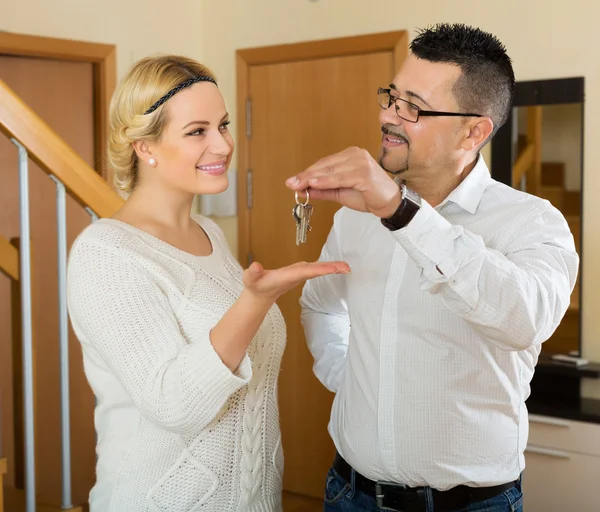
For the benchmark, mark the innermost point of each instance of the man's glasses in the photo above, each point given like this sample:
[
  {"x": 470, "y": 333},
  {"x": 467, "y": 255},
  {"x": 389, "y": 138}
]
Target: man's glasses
[{"x": 409, "y": 111}]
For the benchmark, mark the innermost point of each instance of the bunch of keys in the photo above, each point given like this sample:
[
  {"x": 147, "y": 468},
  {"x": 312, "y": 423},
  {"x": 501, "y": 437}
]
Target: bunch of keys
[{"x": 302, "y": 213}]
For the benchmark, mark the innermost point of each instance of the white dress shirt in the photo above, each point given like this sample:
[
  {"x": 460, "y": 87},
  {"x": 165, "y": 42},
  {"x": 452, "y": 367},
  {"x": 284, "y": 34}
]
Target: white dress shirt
[{"x": 431, "y": 368}]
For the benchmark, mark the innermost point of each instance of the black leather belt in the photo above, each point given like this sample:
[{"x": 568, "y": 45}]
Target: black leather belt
[{"x": 392, "y": 496}]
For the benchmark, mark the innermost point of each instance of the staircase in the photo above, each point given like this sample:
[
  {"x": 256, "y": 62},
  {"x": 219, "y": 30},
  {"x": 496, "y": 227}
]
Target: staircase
[
  {"x": 553, "y": 189},
  {"x": 37, "y": 141},
  {"x": 14, "y": 501},
  {"x": 547, "y": 180}
]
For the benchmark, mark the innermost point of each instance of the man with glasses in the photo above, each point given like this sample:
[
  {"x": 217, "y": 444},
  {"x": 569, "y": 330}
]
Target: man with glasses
[{"x": 431, "y": 342}]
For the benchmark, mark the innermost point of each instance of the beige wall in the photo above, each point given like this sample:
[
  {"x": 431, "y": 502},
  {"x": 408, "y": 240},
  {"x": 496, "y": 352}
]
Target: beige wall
[
  {"x": 138, "y": 28},
  {"x": 543, "y": 39}
]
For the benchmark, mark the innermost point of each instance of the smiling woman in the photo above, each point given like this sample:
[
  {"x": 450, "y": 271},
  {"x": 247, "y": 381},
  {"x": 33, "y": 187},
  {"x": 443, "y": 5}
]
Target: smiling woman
[
  {"x": 181, "y": 347},
  {"x": 193, "y": 129}
]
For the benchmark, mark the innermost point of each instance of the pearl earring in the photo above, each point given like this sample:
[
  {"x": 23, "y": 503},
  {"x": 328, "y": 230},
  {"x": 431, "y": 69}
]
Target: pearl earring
[{"x": 152, "y": 161}]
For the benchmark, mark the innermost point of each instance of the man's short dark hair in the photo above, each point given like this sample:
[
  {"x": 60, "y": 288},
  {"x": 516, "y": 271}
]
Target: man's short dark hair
[{"x": 486, "y": 85}]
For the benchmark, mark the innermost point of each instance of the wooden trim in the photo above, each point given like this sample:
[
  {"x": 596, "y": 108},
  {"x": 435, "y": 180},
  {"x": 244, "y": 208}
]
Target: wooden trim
[
  {"x": 243, "y": 158},
  {"x": 54, "y": 156},
  {"x": 400, "y": 48},
  {"x": 396, "y": 41},
  {"x": 338, "y": 47},
  {"x": 53, "y": 48},
  {"x": 9, "y": 259},
  {"x": 105, "y": 79},
  {"x": 103, "y": 59}
]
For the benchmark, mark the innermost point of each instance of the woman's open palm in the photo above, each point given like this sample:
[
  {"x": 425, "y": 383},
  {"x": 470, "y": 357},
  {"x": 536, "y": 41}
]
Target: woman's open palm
[{"x": 271, "y": 284}]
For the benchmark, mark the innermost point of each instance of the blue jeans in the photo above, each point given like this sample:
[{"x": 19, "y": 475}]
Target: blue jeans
[{"x": 341, "y": 496}]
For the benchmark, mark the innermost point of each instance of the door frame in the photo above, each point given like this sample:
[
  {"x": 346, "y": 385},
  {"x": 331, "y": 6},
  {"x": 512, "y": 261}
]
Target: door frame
[
  {"x": 396, "y": 42},
  {"x": 104, "y": 64}
]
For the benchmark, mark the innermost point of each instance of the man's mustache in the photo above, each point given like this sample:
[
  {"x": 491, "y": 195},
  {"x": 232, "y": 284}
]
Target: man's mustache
[{"x": 386, "y": 131}]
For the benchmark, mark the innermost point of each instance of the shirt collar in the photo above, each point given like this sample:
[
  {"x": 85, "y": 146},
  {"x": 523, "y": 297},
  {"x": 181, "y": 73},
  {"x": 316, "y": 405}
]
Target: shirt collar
[{"x": 470, "y": 191}]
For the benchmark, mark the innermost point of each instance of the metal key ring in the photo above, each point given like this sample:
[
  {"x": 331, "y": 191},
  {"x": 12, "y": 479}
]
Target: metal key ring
[{"x": 307, "y": 198}]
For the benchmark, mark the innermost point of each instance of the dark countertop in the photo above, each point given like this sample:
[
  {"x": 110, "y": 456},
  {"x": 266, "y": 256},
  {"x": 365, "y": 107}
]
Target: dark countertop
[
  {"x": 587, "y": 409},
  {"x": 556, "y": 391},
  {"x": 548, "y": 366}
]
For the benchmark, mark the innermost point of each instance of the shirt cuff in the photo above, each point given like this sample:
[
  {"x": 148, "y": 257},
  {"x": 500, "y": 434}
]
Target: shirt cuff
[{"x": 429, "y": 240}]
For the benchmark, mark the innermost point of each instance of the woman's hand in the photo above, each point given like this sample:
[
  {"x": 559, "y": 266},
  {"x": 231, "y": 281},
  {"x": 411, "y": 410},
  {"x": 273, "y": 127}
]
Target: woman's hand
[
  {"x": 234, "y": 332},
  {"x": 269, "y": 285}
]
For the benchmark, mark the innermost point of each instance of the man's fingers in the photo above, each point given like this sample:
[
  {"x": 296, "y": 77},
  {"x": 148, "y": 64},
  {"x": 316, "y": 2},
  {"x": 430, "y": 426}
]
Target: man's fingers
[
  {"x": 326, "y": 166},
  {"x": 332, "y": 164},
  {"x": 348, "y": 178},
  {"x": 324, "y": 195},
  {"x": 342, "y": 175}
]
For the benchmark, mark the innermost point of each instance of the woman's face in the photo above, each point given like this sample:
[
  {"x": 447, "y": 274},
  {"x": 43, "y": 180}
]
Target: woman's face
[{"x": 195, "y": 148}]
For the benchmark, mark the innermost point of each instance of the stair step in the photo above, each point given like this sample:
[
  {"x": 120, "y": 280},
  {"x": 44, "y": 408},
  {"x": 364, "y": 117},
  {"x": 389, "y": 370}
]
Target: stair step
[
  {"x": 14, "y": 501},
  {"x": 555, "y": 195},
  {"x": 572, "y": 202},
  {"x": 553, "y": 174}
]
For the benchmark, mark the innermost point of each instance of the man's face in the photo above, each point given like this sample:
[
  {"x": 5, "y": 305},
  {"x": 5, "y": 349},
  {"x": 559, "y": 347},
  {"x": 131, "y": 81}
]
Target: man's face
[{"x": 431, "y": 144}]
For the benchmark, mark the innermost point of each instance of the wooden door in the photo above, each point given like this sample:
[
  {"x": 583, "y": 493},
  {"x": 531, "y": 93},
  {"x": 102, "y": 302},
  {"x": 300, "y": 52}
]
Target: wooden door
[
  {"x": 307, "y": 101},
  {"x": 62, "y": 94}
]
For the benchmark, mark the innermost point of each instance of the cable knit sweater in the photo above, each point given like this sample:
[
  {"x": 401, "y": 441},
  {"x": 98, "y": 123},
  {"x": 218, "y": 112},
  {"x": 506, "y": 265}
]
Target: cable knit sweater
[{"x": 177, "y": 430}]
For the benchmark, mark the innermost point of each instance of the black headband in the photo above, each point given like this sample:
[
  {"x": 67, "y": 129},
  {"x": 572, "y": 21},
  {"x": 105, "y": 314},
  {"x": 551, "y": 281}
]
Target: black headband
[{"x": 175, "y": 90}]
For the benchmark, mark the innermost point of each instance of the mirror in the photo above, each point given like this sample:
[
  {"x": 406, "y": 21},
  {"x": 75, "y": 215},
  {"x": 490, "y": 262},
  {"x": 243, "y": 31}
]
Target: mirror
[{"x": 540, "y": 150}]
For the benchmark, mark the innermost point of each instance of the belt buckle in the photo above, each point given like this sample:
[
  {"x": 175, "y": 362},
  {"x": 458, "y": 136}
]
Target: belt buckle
[{"x": 380, "y": 495}]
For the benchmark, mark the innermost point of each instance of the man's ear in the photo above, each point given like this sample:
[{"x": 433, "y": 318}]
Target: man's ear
[{"x": 479, "y": 132}]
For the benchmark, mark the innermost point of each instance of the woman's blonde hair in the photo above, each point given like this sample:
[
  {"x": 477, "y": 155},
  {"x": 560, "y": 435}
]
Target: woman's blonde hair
[{"x": 147, "y": 82}]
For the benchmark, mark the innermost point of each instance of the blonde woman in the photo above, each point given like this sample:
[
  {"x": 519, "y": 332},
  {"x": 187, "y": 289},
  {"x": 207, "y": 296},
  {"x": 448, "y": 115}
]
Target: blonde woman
[{"x": 181, "y": 347}]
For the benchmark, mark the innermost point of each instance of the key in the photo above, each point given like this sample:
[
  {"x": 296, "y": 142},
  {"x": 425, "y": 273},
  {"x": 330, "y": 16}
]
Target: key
[
  {"x": 297, "y": 214},
  {"x": 305, "y": 221},
  {"x": 302, "y": 213}
]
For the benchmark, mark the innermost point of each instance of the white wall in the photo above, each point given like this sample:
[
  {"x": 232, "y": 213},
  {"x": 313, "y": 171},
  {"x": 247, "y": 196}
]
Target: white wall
[{"x": 544, "y": 38}]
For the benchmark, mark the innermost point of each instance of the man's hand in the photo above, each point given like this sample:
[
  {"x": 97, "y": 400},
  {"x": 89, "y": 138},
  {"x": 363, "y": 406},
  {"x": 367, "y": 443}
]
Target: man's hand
[{"x": 353, "y": 179}]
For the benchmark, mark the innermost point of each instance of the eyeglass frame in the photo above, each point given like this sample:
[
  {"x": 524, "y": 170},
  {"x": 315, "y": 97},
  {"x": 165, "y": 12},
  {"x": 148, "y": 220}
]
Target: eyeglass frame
[{"x": 420, "y": 111}]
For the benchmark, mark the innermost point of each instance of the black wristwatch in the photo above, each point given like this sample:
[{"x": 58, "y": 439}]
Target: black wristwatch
[{"x": 409, "y": 206}]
